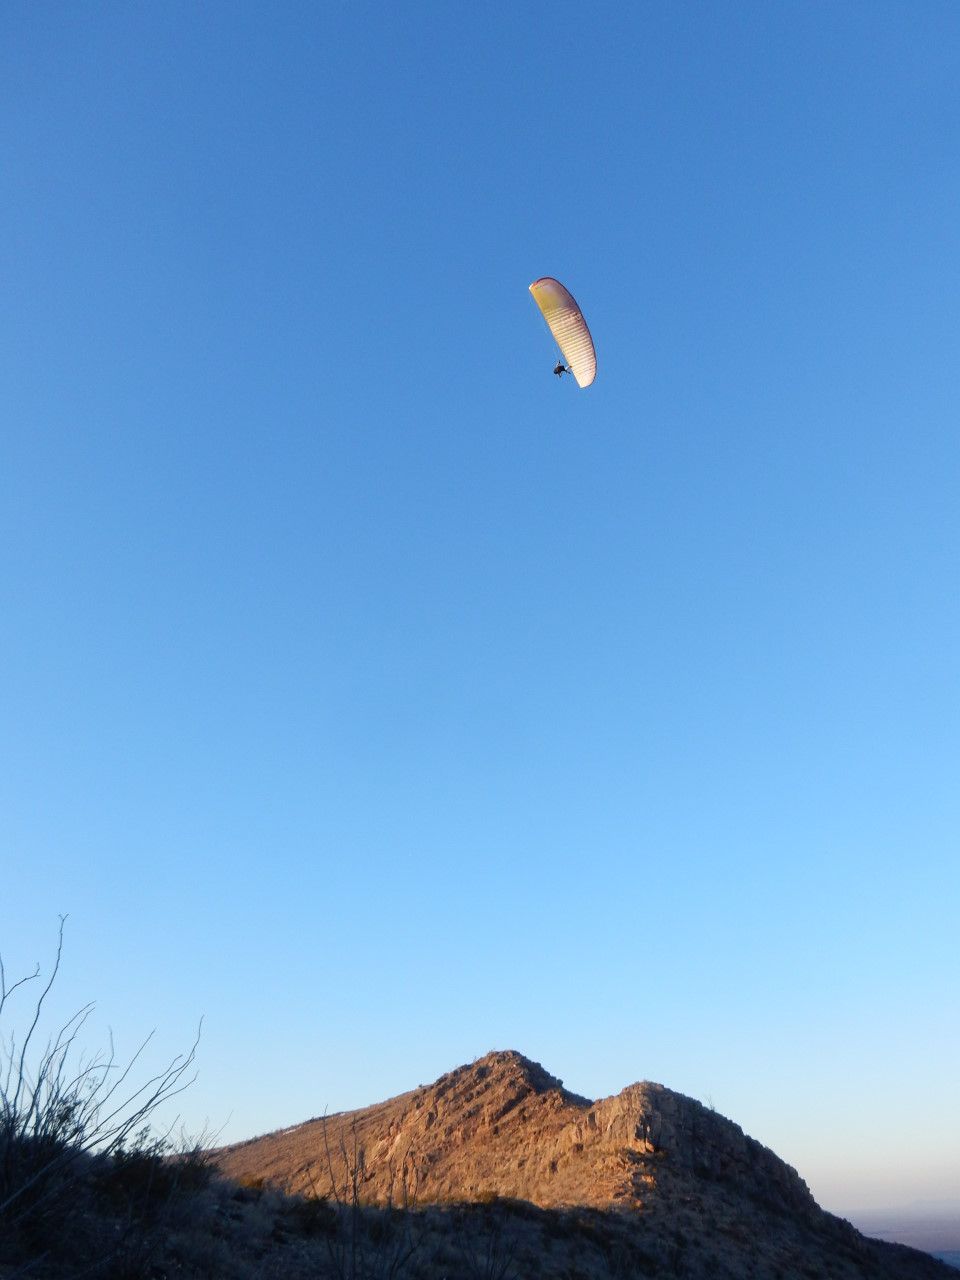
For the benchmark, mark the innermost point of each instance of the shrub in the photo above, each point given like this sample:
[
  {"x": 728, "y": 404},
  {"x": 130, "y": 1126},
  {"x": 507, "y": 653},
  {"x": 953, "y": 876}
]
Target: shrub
[{"x": 75, "y": 1130}]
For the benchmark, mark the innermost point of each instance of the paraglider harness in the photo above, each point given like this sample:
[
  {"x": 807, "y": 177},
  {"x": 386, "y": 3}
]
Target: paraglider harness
[{"x": 561, "y": 369}]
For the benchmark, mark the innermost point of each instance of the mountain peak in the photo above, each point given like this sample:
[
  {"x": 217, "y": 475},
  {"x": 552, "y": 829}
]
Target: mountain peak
[
  {"x": 504, "y": 1130},
  {"x": 503, "y": 1125}
]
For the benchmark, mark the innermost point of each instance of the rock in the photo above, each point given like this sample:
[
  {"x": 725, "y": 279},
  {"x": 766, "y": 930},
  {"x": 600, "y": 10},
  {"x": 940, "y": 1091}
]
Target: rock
[{"x": 685, "y": 1182}]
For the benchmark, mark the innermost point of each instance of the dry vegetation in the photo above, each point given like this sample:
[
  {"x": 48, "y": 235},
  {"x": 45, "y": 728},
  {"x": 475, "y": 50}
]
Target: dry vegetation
[{"x": 493, "y": 1173}]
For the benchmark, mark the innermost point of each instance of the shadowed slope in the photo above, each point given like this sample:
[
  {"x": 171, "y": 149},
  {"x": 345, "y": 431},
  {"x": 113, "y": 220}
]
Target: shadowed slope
[
  {"x": 666, "y": 1178},
  {"x": 504, "y": 1126}
]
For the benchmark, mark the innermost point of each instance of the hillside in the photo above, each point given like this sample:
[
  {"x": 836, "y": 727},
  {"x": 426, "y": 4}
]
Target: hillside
[{"x": 663, "y": 1184}]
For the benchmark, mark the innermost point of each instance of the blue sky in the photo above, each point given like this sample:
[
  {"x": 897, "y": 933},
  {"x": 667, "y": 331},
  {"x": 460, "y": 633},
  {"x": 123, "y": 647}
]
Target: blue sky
[{"x": 372, "y": 693}]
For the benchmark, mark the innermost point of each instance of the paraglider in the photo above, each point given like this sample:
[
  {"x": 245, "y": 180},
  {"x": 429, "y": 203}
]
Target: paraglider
[{"x": 568, "y": 327}]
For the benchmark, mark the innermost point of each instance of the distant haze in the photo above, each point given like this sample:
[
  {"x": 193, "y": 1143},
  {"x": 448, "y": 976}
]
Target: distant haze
[{"x": 931, "y": 1226}]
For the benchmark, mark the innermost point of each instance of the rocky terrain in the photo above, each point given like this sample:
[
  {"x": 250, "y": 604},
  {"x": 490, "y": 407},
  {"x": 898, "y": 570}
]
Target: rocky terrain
[
  {"x": 645, "y": 1183},
  {"x": 494, "y": 1172}
]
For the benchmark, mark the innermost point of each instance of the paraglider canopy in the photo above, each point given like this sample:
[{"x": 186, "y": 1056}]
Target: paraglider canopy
[{"x": 568, "y": 326}]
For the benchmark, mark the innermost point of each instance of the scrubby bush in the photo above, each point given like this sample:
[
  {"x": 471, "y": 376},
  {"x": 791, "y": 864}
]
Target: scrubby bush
[{"x": 75, "y": 1138}]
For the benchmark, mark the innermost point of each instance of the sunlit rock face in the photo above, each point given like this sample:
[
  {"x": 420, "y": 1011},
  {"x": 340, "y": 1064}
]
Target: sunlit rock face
[{"x": 668, "y": 1178}]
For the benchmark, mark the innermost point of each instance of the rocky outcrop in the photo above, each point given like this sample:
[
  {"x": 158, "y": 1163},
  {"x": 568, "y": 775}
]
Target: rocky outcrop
[
  {"x": 504, "y": 1126},
  {"x": 667, "y": 1179}
]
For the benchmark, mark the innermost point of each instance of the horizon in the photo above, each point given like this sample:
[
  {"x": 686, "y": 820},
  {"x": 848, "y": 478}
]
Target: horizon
[{"x": 379, "y": 697}]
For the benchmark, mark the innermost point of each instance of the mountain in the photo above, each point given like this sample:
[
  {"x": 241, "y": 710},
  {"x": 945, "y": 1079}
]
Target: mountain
[{"x": 645, "y": 1183}]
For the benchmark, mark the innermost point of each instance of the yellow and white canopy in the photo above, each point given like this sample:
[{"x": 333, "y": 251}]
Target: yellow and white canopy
[{"x": 568, "y": 326}]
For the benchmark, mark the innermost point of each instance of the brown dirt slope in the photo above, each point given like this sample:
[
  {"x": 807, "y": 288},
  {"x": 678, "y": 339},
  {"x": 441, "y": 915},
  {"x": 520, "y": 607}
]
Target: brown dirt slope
[
  {"x": 504, "y": 1126},
  {"x": 504, "y": 1129}
]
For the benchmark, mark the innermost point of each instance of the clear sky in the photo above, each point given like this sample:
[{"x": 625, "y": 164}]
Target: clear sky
[{"x": 373, "y": 693}]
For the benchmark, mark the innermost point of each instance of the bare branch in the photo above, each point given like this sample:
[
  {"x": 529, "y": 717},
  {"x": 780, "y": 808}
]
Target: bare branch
[
  {"x": 37, "y": 1010},
  {"x": 57, "y": 1106}
]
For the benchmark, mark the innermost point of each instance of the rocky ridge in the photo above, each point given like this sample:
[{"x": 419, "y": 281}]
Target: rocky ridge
[
  {"x": 504, "y": 1126},
  {"x": 665, "y": 1178}
]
